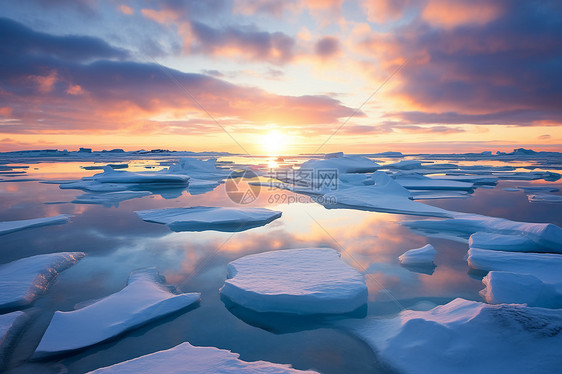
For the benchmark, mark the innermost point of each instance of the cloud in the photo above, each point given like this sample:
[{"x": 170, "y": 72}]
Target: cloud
[
  {"x": 505, "y": 63},
  {"x": 244, "y": 41},
  {"x": 51, "y": 94},
  {"x": 514, "y": 118},
  {"x": 16, "y": 39},
  {"x": 327, "y": 47}
]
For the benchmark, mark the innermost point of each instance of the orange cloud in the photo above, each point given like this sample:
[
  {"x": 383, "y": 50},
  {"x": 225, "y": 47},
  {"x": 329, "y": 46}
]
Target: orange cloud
[
  {"x": 5, "y": 111},
  {"x": 449, "y": 14},
  {"x": 125, "y": 9},
  {"x": 46, "y": 83}
]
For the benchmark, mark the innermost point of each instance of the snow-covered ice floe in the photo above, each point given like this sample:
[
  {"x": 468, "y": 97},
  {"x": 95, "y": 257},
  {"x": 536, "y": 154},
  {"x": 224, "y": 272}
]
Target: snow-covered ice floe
[
  {"x": 508, "y": 287},
  {"x": 145, "y": 298},
  {"x": 421, "y": 182},
  {"x": 7, "y": 227},
  {"x": 385, "y": 195},
  {"x": 544, "y": 266},
  {"x": 186, "y": 358},
  {"x": 109, "y": 199},
  {"x": 120, "y": 180},
  {"x": 297, "y": 281},
  {"x": 546, "y": 235},
  {"x": 202, "y": 218},
  {"x": 344, "y": 164},
  {"x": 22, "y": 281},
  {"x": 419, "y": 256},
  {"x": 499, "y": 242},
  {"x": 466, "y": 337},
  {"x": 11, "y": 324}
]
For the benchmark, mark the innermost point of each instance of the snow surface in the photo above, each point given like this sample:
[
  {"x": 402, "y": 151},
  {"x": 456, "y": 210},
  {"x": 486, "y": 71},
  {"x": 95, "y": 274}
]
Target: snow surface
[
  {"x": 419, "y": 256},
  {"x": 144, "y": 299},
  {"x": 297, "y": 281},
  {"x": 506, "y": 287},
  {"x": 186, "y": 358},
  {"x": 22, "y": 281},
  {"x": 499, "y": 242},
  {"x": 385, "y": 195},
  {"x": 344, "y": 164},
  {"x": 202, "y": 218},
  {"x": 467, "y": 337},
  {"x": 7, "y": 227},
  {"x": 545, "y": 235}
]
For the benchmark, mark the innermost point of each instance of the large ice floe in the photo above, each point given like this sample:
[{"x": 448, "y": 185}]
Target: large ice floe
[
  {"x": 421, "y": 182},
  {"x": 186, "y": 358},
  {"x": 419, "y": 256},
  {"x": 12, "y": 226},
  {"x": 341, "y": 163},
  {"x": 202, "y": 218},
  {"x": 296, "y": 281},
  {"x": 145, "y": 298},
  {"x": 546, "y": 236},
  {"x": 22, "y": 281},
  {"x": 11, "y": 325},
  {"x": 384, "y": 195},
  {"x": 467, "y": 337}
]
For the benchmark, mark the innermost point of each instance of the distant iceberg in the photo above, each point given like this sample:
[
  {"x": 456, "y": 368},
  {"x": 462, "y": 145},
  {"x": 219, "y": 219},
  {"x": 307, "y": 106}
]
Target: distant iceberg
[
  {"x": 296, "y": 281},
  {"x": 188, "y": 359},
  {"x": 145, "y": 298},
  {"x": 22, "y": 281}
]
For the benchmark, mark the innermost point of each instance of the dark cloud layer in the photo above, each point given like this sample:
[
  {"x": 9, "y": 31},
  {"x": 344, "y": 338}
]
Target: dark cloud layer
[{"x": 504, "y": 70}]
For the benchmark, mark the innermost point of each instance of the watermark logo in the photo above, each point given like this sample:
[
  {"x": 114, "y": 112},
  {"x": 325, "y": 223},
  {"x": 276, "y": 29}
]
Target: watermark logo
[{"x": 239, "y": 190}]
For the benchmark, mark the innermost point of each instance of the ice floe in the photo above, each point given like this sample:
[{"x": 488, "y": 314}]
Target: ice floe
[
  {"x": 186, "y": 358},
  {"x": 145, "y": 298},
  {"x": 343, "y": 163},
  {"x": 11, "y": 325},
  {"x": 404, "y": 165},
  {"x": 421, "y": 182},
  {"x": 545, "y": 235},
  {"x": 120, "y": 176},
  {"x": 467, "y": 337},
  {"x": 24, "y": 280},
  {"x": 544, "y": 266},
  {"x": 499, "y": 242},
  {"x": 109, "y": 198},
  {"x": 385, "y": 195},
  {"x": 7, "y": 227},
  {"x": 419, "y": 256},
  {"x": 202, "y": 218},
  {"x": 544, "y": 198},
  {"x": 296, "y": 281},
  {"x": 507, "y": 287}
]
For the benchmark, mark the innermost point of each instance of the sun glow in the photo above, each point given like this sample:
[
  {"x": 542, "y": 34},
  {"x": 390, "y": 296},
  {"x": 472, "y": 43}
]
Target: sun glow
[{"x": 274, "y": 143}]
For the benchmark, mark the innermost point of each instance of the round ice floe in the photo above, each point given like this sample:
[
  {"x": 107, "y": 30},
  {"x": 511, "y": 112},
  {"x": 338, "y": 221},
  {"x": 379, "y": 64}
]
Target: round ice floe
[{"x": 298, "y": 281}]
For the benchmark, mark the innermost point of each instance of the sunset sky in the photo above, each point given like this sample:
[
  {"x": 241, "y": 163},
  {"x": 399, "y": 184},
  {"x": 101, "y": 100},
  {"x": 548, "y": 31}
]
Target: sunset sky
[{"x": 244, "y": 76}]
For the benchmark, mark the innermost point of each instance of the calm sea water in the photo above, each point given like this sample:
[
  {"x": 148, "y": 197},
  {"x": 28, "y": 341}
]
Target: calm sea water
[{"x": 117, "y": 242}]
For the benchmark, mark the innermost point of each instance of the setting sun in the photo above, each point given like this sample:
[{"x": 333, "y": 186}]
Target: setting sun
[{"x": 275, "y": 143}]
